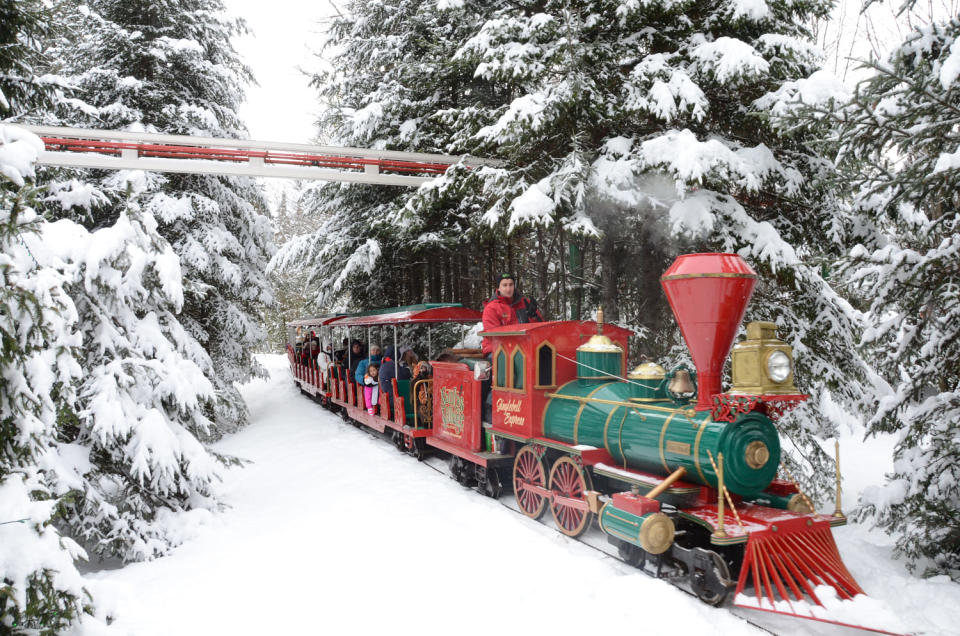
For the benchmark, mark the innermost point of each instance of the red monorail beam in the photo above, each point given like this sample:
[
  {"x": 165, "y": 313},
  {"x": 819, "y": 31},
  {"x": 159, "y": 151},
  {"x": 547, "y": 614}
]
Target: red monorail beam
[
  {"x": 115, "y": 148},
  {"x": 122, "y": 150}
]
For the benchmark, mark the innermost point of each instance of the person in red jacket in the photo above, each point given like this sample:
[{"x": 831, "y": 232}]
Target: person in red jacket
[{"x": 507, "y": 307}]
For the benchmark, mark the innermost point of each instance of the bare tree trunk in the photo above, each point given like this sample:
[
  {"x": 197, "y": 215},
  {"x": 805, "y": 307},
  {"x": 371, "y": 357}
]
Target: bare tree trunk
[
  {"x": 562, "y": 282},
  {"x": 448, "y": 278},
  {"x": 608, "y": 262},
  {"x": 416, "y": 283},
  {"x": 435, "y": 272},
  {"x": 466, "y": 297},
  {"x": 541, "y": 264},
  {"x": 491, "y": 267},
  {"x": 576, "y": 264}
]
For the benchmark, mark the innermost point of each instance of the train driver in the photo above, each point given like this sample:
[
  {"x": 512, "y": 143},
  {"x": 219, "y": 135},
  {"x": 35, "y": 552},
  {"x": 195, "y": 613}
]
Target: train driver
[{"x": 507, "y": 307}]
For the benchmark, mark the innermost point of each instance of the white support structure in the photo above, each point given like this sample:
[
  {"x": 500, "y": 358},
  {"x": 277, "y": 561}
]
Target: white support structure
[{"x": 122, "y": 150}]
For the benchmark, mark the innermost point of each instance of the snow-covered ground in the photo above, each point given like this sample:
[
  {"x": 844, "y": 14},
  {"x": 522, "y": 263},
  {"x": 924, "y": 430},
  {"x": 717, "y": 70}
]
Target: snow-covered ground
[{"x": 332, "y": 531}]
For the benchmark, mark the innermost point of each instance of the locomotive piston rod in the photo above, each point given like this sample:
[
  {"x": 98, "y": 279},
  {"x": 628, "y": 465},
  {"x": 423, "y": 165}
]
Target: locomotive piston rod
[{"x": 666, "y": 483}]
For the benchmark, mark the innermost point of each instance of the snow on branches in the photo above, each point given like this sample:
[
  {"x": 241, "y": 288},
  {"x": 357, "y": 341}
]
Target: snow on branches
[{"x": 40, "y": 586}]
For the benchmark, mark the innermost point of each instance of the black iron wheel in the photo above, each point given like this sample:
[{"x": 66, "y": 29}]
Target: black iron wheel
[
  {"x": 493, "y": 486},
  {"x": 708, "y": 584}
]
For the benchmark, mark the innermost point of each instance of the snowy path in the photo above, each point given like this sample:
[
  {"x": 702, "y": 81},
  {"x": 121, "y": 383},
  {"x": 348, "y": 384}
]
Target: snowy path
[{"x": 333, "y": 531}]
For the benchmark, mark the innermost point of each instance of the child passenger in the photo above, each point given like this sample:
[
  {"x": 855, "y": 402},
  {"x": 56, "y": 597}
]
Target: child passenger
[{"x": 371, "y": 390}]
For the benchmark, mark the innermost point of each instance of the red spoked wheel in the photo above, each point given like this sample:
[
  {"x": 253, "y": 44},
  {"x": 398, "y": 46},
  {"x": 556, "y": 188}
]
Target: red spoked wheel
[
  {"x": 529, "y": 482},
  {"x": 569, "y": 484}
]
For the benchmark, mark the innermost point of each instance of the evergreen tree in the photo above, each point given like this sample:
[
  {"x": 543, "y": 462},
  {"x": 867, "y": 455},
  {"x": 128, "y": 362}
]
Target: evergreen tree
[
  {"x": 292, "y": 299},
  {"x": 40, "y": 588},
  {"x": 141, "y": 396},
  {"x": 392, "y": 77},
  {"x": 632, "y": 131},
  {"x": 899, "y": 150},
  {"x": 24, "y": 26},
  {"x": 149, "y": 388},
  {"x": 169, "y": 67}
]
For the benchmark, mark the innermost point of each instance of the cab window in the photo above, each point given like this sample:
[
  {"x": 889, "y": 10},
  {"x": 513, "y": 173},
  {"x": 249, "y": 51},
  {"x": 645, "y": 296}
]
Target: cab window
[
  {"x": 500, "y": 362},
  {"x": 518, "y": 369},
  {"x": 546, "y": 364}
]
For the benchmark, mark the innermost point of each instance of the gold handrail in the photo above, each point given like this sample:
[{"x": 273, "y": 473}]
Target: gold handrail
[
  {"x": 413, "y": 396},
  {"x": 720, "y": 532},
  {"x": 723, "y": 489}
]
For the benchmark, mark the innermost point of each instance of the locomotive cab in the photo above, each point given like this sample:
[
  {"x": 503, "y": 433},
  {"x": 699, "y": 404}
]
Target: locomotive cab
[{"x": 530, "y": 362}]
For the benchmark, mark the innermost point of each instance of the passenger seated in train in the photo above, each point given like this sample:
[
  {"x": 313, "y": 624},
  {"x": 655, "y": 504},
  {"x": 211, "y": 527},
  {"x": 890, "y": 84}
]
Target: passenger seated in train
[
  {"x": 310, "y": 354},
  {"x": 408, "y": 361},
  {"x": 423, "y": 394},
  {"x": 357, "y": 353},
  {"x": 340, "y": 358},
  {"x": 371, "y": 389},
  {"x": 362, "y": 367},
  {"x": 390, "y": 370}
]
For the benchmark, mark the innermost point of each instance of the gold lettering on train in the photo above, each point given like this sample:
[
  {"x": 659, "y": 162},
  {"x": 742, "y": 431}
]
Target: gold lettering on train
[
  {"x": 451, "y": 411},
  {"x": 510, "y": 410}
]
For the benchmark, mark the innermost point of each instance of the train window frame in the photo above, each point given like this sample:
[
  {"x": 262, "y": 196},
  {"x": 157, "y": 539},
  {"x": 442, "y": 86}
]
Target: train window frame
[
  {"x": 497, "y": 366},
  {"x": 517, "y": 353},
  {"x": 546, "y": 344}
]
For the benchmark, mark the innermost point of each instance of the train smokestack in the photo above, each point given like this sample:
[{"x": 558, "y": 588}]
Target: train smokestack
[{"x": 708, "y": 294}]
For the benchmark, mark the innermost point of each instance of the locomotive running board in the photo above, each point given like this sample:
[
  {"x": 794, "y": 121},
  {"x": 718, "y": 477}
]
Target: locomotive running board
[{"x": 799, "y": 559}]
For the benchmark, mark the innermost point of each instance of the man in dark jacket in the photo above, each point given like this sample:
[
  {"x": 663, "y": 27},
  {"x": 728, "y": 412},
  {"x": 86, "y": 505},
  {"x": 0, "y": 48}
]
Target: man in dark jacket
[{"x": 357, "y": 353}]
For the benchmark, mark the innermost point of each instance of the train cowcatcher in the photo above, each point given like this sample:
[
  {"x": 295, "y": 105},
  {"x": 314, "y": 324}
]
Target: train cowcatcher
[{"x": 680, "y": 476}]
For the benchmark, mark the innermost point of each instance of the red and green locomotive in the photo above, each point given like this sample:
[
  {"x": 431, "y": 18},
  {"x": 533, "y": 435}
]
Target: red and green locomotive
[{"x": 680, "y": 475}]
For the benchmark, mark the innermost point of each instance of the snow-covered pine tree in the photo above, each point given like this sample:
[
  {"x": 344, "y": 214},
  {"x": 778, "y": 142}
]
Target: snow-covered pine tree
[
  {"x": 24, "y": 25},
  {"x": 291, "y": 296},
  {"x": 128, "y": 453},
  {"x": 899, "y": 150},
  {"x": 169, "y": 67},
  {"x": 393, "y": 76},
  {"x": 651, "y": 123},
  {"x": 40, "y": 588},
  {"x": 141, "y": 399}
]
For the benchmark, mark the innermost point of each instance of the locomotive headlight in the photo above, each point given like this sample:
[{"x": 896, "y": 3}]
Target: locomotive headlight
[
  {"x": 778, "y": 366},
  {"x": 762, "y": 363}
]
